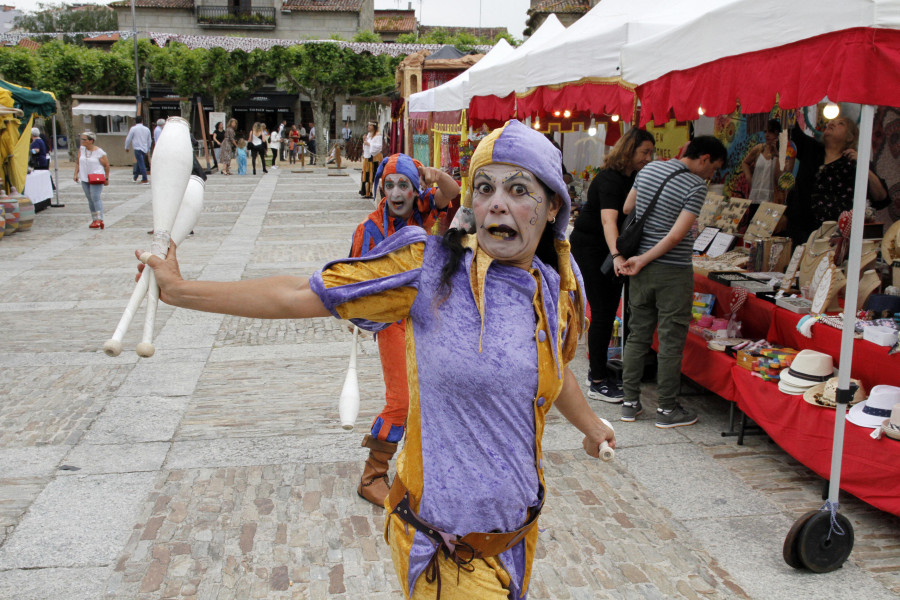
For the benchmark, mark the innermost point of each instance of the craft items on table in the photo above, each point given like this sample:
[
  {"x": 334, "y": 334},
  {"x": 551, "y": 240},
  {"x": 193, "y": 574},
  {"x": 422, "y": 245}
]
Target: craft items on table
[
  {"x": 768, "y": 363},
  {"x": 703, "y": 241},
  {"x": 702, "y": 304},
  {"x": 728, "y": 278},
  {"x": 753, "y": 286},
  {"x": 732, "y": 214},
  {"x": 727, "y": 344},
  {"x": 11, "y": 214},
  {"x": 806, "y": 370},
  {"x": 883, "y": 336},
  {"x": 710, "y": 210},
  {"x": 721, "y": 243},
  {"x": 800, "y": 306},
  {"x": 26, "y": 213},
  {"x": 868, "y": 283},
  {"x": 790, "y": 273},
  {"x": 818, "y": 244},
  {"x": 825, "y": 286},
  {"x": 890, "y": 246},
  {"x": 763, "y": 223},
  {"x": 768, "y": 254},
  {"x": 824, "y": 394},
  {"x": 891, "y": 427},
  {"x": 876, "y": 408}
]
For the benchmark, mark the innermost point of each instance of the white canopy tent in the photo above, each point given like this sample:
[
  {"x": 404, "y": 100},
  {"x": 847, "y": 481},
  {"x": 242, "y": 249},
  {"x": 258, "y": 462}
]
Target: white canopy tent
[
  {"x": 590, "y": 47},
  {"x": 450, "y": 96},
  {"x": 735, "y": 26},
  {"x": 500, "y": 79}
]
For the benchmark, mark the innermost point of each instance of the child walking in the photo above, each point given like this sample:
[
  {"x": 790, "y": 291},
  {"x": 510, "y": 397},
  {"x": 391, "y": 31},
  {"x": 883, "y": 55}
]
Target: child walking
[{"x": 242, "y": 156}]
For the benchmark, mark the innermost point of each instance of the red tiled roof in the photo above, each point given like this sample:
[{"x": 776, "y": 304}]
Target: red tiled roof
[
  {"x": 323, "y": 5},
  {"x": 189, "y": 4},
  {"x": 29, "y": 44},
  {"x": 561, "y": 6},
  {"x": 395, "y": 21},
  {"x": 104, "y": 37}
]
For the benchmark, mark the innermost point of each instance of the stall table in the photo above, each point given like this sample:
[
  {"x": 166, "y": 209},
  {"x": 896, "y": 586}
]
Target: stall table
[{"x": 870, "y": 469}]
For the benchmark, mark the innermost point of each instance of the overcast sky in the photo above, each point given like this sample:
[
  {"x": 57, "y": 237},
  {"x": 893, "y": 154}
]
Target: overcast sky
[{"x": 494, "y": 13}]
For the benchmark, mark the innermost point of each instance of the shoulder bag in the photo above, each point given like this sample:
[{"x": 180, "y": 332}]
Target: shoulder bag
[
  {"x": 96, "y": 178},
  {"x": 629, "y": 240}
]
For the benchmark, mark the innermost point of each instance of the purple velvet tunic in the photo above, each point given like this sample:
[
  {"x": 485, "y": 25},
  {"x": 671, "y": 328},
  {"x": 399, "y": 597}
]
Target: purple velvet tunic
[{"x": 475, "y": 381}]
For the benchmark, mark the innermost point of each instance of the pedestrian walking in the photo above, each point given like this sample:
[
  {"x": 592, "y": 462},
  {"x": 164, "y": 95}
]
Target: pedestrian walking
[
  {"x": 227, "y": 148},
  {"x": 140, "y": 139},
  {"x": 275, "y": 146},
  {"x": 92, "y": 171},
  {"x": 257, "y": 146},
  {"x": 493, "y": 318},
  {"x": 661, "y": 284},
  {"x": 242, "y": 156}
]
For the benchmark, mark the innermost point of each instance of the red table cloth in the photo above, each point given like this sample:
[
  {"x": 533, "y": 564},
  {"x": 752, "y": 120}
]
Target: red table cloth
[{"x": 870, "y": 469}]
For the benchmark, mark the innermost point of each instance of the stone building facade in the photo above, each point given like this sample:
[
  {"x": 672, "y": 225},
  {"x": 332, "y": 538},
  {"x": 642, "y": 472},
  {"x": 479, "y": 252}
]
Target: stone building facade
[{"x": 279, "y": 19}]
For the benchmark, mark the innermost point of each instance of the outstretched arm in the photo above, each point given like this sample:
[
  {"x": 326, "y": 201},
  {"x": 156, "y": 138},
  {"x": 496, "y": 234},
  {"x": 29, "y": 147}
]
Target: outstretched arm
[
  {"x": 281, "y": 297},
  {"x": 447, "y": 190},
  {"x": 575, "y": 409}
]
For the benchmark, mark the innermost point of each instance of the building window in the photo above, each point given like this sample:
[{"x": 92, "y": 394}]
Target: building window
[{"x": 110, "y": 124}]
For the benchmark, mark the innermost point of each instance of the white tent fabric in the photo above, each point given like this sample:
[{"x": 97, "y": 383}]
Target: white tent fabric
[
  {"x": 499, "y": 79},
  {"x": 742, "y": 26},
  {"x": 422, "y": 101},
  {"x": 590, "y": 46},
  {"x": 449, "y": 96},
  {"x": 105, "y": 109}
]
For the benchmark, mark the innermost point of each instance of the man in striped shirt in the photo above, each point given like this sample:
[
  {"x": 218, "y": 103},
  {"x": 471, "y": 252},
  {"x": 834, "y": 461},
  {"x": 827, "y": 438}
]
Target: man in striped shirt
[{"x": 662, "y": 277}]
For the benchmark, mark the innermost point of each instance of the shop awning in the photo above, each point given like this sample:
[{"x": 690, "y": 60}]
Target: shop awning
[{"x": 105, "y": 109}]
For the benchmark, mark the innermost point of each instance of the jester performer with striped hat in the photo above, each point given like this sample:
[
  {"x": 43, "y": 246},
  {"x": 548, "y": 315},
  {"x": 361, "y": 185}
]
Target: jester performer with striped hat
[{"x": 404, "y": 203}]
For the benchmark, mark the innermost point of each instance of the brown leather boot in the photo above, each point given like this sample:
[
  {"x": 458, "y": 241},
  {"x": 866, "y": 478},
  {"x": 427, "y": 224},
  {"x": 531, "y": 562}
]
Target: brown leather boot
[{"x": 374, "y": 485}]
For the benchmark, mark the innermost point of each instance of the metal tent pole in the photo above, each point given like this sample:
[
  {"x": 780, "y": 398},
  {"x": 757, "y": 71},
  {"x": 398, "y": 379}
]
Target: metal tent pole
[
  {"x": 55, "y": 168},
  {"x": 844, "y": 393}
]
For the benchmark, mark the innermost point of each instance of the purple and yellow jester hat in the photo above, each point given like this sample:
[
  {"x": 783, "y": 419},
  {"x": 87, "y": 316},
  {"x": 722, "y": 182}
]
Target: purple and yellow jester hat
[
  {"x": 517, "y": 144},
  {"x": 402, "y": 164}
]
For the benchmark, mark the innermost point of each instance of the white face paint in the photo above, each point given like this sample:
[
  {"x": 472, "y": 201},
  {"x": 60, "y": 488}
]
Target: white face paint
[
  {"x": 511, "y": 210},
  {"x": 400, "y": 195}
]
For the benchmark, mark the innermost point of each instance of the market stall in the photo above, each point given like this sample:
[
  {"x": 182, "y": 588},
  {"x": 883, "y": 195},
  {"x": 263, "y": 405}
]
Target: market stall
[{"x": 818, "y": 49}]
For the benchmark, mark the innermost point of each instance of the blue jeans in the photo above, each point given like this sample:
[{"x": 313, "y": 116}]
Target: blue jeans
[
  {"x": 93, "y": 191},
  {"x": 140, "y": 165}
]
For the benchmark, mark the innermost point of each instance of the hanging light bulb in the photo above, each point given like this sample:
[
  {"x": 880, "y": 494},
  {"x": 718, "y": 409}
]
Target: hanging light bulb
[
  {"x": 567, "y": 114},
  {"x": 592, "y": 130},
  {"x": 556, "y": 113},
  {"x": 537, "y": 124},
  {"x": 700, "y": 111},
  {"x": 831, "y": 110},
  {"x": 614, "y": 118}
]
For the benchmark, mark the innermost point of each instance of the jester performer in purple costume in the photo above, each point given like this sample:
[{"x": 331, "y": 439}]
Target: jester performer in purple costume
[{"x": 492, "y": 319}]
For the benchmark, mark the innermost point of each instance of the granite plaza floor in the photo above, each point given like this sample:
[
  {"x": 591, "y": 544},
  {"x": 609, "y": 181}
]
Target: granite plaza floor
[{"x": 218, "y": 469}]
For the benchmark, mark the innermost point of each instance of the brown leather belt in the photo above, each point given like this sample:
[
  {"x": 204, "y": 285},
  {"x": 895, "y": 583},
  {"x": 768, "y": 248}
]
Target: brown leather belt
[{"x": 465, "y": 549}]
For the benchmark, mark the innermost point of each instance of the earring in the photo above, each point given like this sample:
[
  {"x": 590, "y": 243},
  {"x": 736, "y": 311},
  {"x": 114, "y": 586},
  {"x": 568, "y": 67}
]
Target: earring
[{"x": 553, "y": 220}]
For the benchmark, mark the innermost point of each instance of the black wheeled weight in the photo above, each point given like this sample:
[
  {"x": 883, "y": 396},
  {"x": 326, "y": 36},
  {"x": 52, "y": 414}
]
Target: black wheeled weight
[
  {"x": 823, "y": 550},
  {"x": 791, "y": 551}
]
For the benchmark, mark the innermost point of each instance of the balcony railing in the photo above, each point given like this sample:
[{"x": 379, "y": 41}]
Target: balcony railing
[{"x": 235, "y": 17}]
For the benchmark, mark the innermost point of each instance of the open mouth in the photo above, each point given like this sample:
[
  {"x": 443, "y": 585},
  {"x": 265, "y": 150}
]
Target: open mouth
[{"x": 503, "y": 232}]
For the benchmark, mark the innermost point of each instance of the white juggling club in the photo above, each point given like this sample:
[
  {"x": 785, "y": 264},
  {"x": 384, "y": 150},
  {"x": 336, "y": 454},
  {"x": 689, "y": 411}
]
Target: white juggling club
[
  {"x": 185, "y": 221},
  {"x": 606, "y": 453},
  {"x": 173, "y": 161},
  {"x": 348, "y": 407}
]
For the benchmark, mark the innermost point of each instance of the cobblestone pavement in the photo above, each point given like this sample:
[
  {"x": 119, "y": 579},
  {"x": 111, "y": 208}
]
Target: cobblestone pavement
[{"x": 217, "y": 468}]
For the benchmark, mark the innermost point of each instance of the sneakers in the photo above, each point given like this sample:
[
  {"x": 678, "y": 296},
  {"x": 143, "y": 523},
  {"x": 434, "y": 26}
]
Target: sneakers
[
  {"x": 631, "y": 410},
  {"x": 606, "y": 390},
  {"x": 676, "y": 417}
]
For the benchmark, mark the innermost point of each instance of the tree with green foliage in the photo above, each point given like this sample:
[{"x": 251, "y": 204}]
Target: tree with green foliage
[
  {"x": 68, "y": 70},
  {"x": 62, "y": 18},
  {"x": 321, "y": 71},
  {"x": 463, "y": 40},
  {"x": 18, "y": 65}
]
